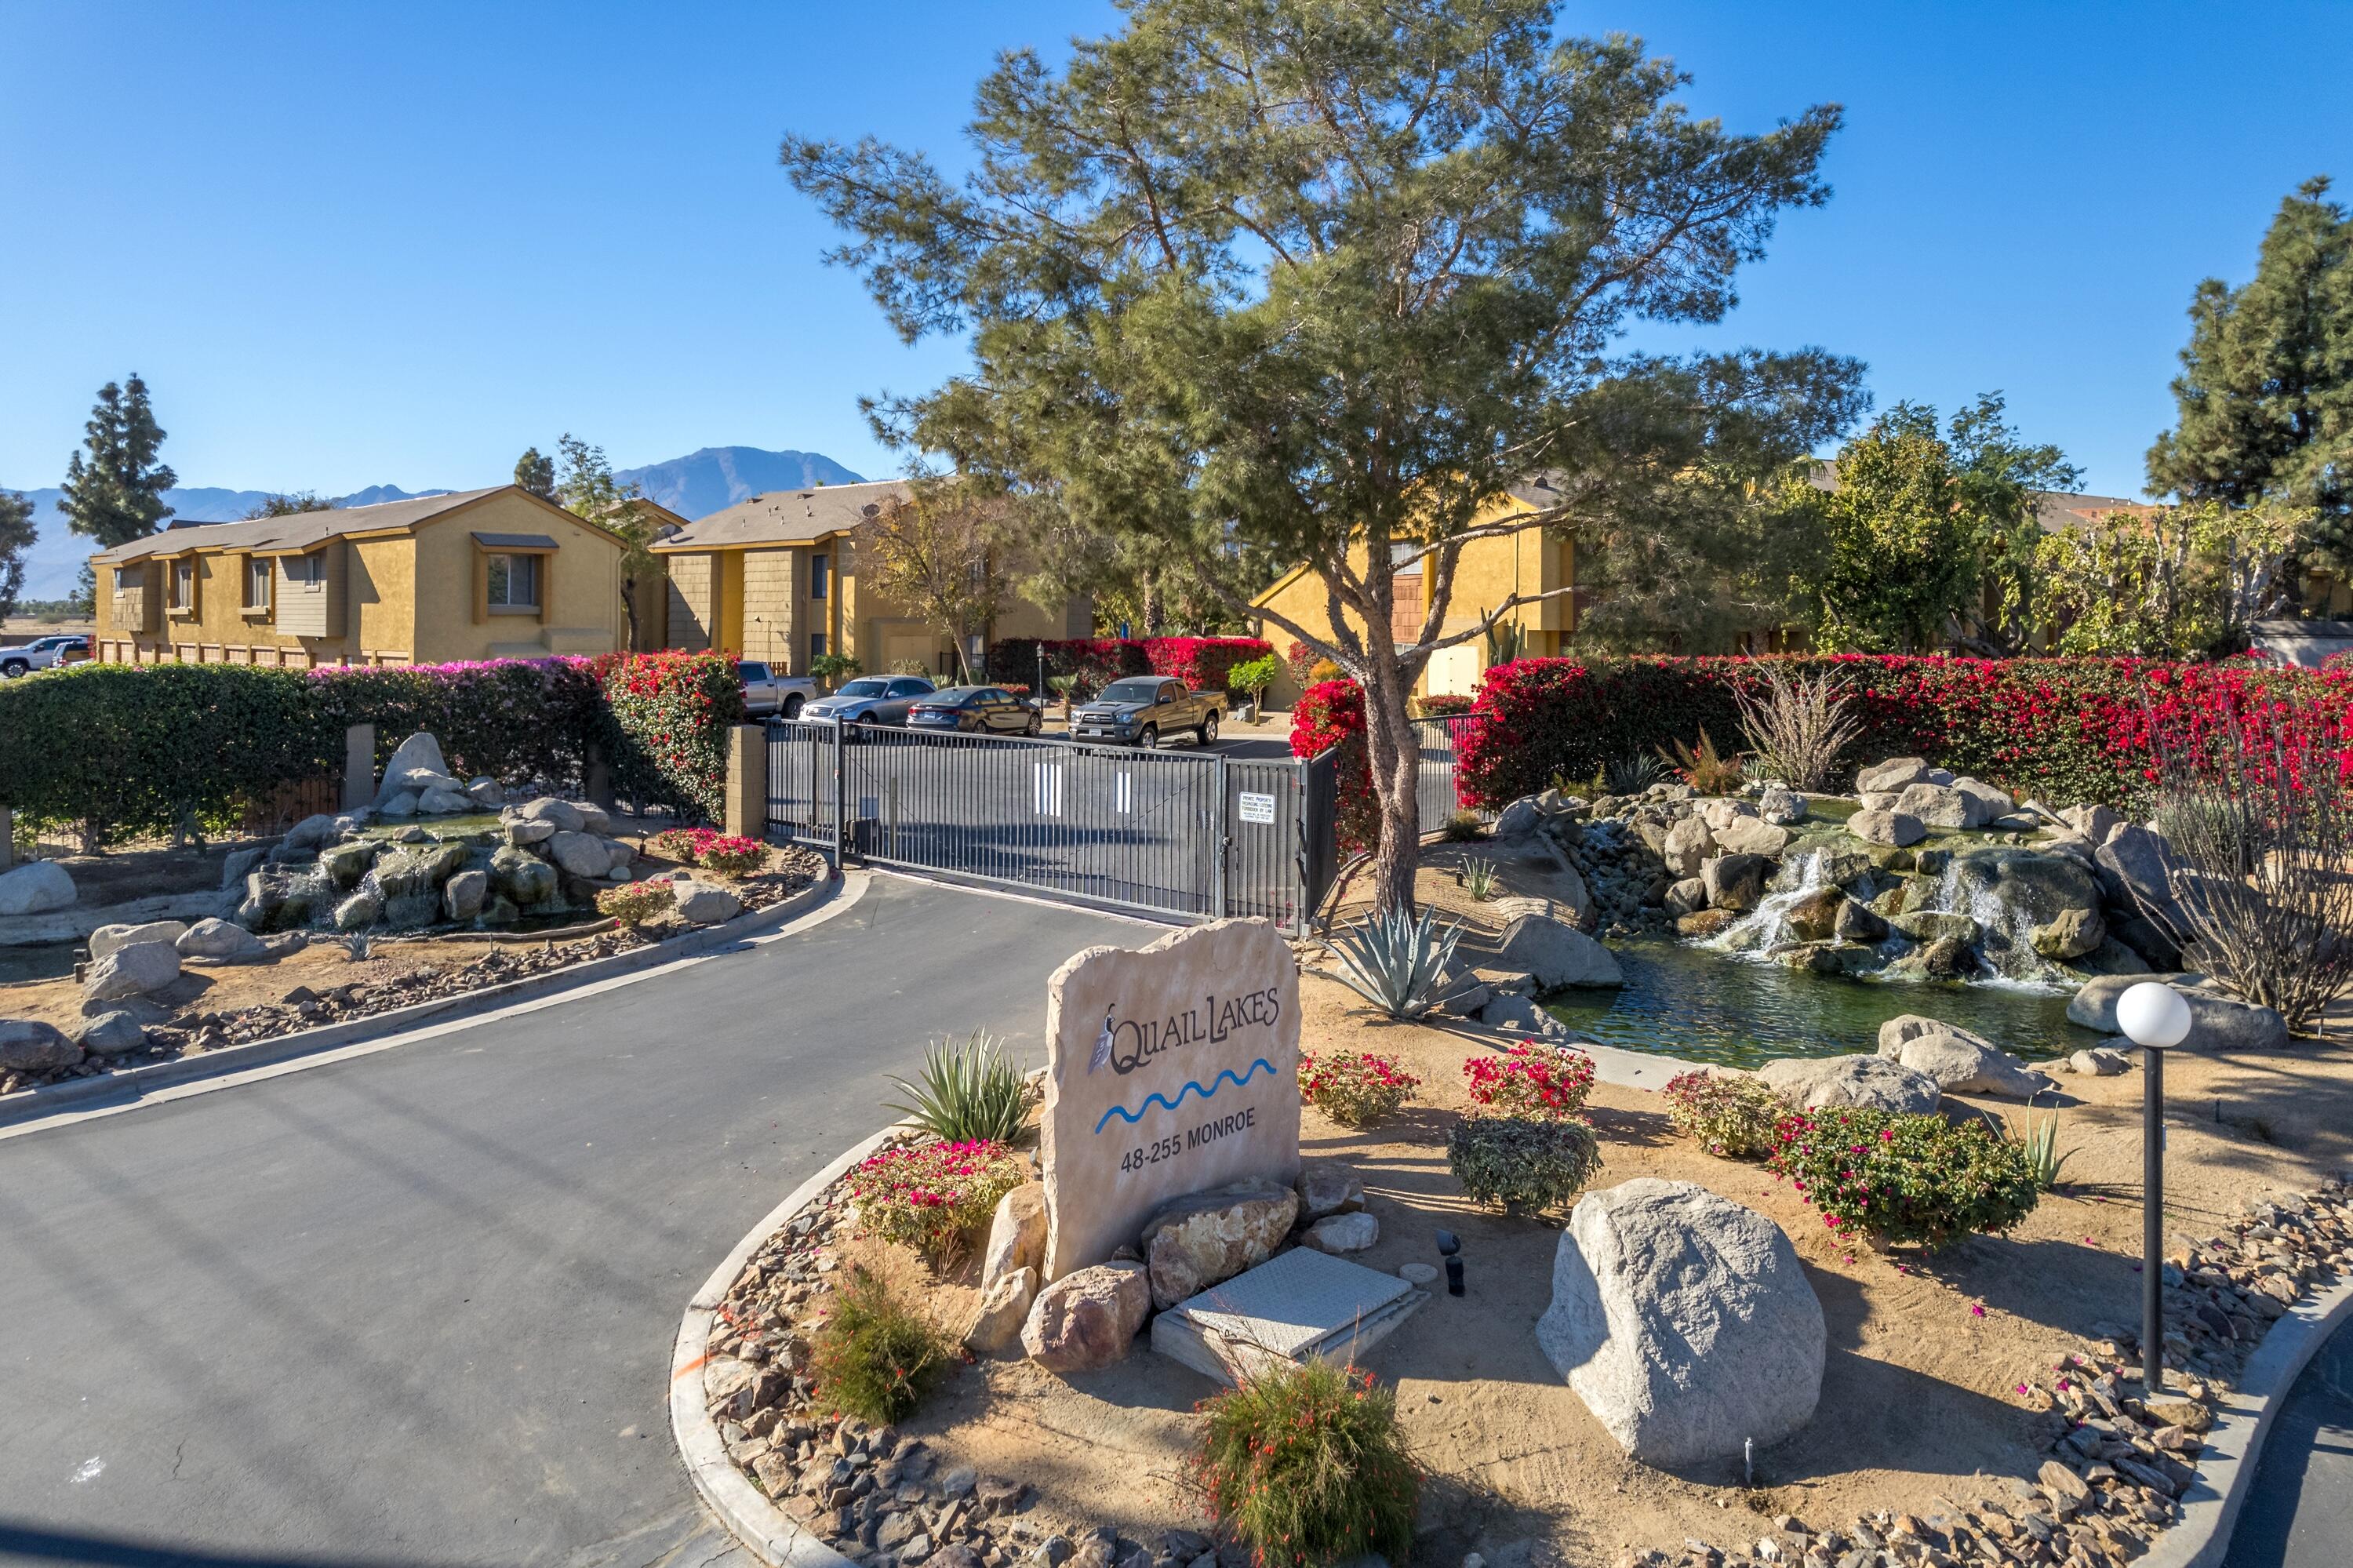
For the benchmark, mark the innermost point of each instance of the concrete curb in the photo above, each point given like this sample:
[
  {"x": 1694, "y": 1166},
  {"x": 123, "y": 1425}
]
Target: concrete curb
[
  {"x": 33, "y": 1104},
  {"x": 771, "y": 1535},
  {"x": 2242, "y": 1418}
]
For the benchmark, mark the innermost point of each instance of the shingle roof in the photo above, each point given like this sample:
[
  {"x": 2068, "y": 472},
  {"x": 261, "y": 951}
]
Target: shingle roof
[
  {"x": 786, "y": 516},
  {"x": 296, "y": 531}
]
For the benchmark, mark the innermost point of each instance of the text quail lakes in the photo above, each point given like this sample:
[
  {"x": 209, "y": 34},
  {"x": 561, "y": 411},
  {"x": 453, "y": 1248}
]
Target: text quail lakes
[{"x": 1134, "y": 1041}]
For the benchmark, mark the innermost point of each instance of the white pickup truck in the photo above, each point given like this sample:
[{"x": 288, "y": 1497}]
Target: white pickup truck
[
  {"x": 43, "y": 653},
  {"x": 768, "y": 690}
]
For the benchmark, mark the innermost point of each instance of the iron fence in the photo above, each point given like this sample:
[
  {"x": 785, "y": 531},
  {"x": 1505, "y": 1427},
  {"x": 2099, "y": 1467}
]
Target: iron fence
[{"x": 1435, "y": 794}]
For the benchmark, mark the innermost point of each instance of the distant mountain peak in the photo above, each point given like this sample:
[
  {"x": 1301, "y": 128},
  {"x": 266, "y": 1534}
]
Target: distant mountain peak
[{"x": 704, "y": 482}]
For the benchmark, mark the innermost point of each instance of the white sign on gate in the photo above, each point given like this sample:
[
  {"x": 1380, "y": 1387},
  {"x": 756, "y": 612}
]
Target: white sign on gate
[{"x": 1256, "y": 808}]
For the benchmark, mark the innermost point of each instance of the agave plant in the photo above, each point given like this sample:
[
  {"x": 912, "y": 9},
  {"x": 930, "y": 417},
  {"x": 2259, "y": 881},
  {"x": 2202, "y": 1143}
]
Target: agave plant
[
  {"x": 1393, "y": 960},
  {"x": 967, "y": 1092},
  {"x": 2044, "y": 1155},
  {"x": 1479, "y": 878},
  {"x": 1632, "y": 773},
  {"x": 358, "y": 947}
]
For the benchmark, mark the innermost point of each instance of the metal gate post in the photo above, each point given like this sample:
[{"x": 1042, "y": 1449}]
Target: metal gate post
[
  {"x": 841, "y": 738},
  {"x": 1225, "y": 839}
]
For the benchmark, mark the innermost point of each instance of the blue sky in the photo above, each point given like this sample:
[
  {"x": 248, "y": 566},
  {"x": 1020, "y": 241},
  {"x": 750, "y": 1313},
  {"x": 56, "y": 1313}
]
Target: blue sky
[{"x": 350, "y": 245}]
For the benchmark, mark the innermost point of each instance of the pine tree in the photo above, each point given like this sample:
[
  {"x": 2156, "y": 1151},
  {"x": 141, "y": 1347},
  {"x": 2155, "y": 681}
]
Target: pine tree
[
  {"x": 536, "y": 473},
  {"x": 16, "y": 537},
  {"x": 2266, "y": 395},
  {"x": 117, "y": 494}
]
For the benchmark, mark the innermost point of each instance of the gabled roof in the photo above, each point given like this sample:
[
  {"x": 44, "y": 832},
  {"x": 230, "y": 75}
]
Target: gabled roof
[
  {"x": 786, "y": 516},
  {"x": 303, "y": 530}
]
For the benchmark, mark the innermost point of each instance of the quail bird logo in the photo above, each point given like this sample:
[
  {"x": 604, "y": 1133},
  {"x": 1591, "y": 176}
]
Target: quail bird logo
[{"x": 1102, "y": 1057}]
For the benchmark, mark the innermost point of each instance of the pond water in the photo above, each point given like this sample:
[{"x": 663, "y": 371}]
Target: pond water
[
  {"x": 1715, "y": 1007},
  {"x": 44, "y": 961}
]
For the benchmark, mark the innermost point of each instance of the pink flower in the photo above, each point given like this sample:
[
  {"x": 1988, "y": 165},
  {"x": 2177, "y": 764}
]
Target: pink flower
[{"x": 1977, "y": 1311}]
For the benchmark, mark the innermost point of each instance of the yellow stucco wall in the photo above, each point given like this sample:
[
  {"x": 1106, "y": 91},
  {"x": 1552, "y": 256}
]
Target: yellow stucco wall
[{"x": 580, "y": 589}]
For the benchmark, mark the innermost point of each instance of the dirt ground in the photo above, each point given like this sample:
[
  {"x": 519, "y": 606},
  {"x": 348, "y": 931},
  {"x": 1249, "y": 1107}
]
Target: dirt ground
[{"x": 1919, "y": 1399}]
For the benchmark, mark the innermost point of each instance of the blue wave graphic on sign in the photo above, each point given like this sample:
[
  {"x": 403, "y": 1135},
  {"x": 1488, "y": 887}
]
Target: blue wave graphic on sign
[{"x": 1133, "y": 1117}]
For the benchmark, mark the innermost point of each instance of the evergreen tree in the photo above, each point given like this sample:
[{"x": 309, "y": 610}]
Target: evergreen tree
[
  {"x": 17, "y": 534},
  {"x": 116, "y": 493},
  {"x": 587, "y": 489},
  {"x": 289, "y": 505},
  {"x": 2266, "y": 395},
  {"x": 536, "y": 473}
]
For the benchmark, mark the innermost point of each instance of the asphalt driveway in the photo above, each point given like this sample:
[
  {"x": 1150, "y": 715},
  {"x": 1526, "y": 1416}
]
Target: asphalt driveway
[{"x": 416, "y": 1307}]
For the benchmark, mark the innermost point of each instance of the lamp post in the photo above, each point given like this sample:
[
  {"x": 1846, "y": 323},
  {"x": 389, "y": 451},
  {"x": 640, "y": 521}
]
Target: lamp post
[{"x": 2155, "y": 1018}]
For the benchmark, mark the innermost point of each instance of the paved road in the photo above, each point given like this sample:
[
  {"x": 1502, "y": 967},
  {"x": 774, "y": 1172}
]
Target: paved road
[
  {"x": 417, "y": 1308},
  {"x": 2299, "y": 1513}
]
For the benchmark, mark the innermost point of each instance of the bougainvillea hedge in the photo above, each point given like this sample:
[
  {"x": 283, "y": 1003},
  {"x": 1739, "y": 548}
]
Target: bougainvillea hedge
[
  {"x": 1330, "y": 713},
  {"x": 1201, "y": 662},
  {"x": 121, "y": 750},
  {"x": 2063, "y": 730}
]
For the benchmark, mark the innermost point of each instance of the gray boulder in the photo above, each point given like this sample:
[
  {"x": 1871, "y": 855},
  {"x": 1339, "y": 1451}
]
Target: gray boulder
[
  {"x": 1087, "y": 1319},
  {"x": 1017, "y": 1234},
  {"x": 582, "y": 854},
  {"x": 1683, "y": 1321},
  {"x": 2071, "y": 934},
  {"x": 1684, "y": 896},
  {"x": 1856, "y": 923},
  {"x": 485, "y": 793},
  {"x": 1004, "y": 1306},
  {"x": 110, "y": 938},
  {"x": 218, "y": 942},
  {"x": 361, "y": 909},
  {"x": 2094, "y": 1006},
  {"x": 1689, "y": 842},
  {"x": 1933, "y": 925},
  {"x": 1519, "y": 819},
  {"x": 548, "y": 808},
  {"x": 310, "y": 832},
  {"x": 1325, "y": 1189},
  {"x": 1557, "y": 953},
  {"x": 133, "y": 971},
  {"x": 1518, "y": 1015},
  {"x": 35, "y": 889},
  {"x": 441, "y": 801},
  {"x": 400, "y": 806},
  {"x": 116, "y": 1033},
  {"x": 522, "y": 876},
  {"x": 1896, "y": 773},
  {"x": 462, "y": 895},
  {"x": 1206, "y": 1238},
  {"x": 2095, "y": 823},
  {"x": 1893, "y": 828},
  {"x": 1810, "y": 1083},
  {"x": 2225, "y": 1024},
  {"x": 1352, "y": 1232},
  {"x": 2099, "y": 1062},
  {"x": 420, "y": 753},
  {"x": 239, "y": 865},
  {"x": 702, "y": 903},
  {"x": 593, "y": 818},
  {"x": 1938, "y": 806},
  {"x": 1782, "y": 807},
  {"x": 1734, "y": 880},
  {"x": 1991, "y": 803},
  {"x": 523, "y": 831},
  {"x": 346, "y": 864},
  {"x": 2133, "y": 866},
  {"x": 1752, "y": 835},
  {"x": 29, "y": 1045},
  {"x": 1966, "y": 1064}
]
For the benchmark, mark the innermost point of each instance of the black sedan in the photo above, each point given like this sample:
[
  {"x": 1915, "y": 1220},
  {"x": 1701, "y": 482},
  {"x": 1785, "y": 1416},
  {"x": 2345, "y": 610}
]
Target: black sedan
[{"x": 985, "y": 710}]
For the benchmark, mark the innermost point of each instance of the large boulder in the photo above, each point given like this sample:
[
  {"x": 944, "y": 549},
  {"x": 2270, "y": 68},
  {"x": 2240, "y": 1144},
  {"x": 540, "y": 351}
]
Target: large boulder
[
  {"x": 35, "y": 889},
  {"x": 1814, "y": 916},
  {"x": 522, "y": 876},
  {"x": 1856, "y": 923},
  {"x": 2134, "y": 866},
  {"x": 220, "y": 942},
  {"x": 1810, "y": 1083},
  {"x": 1780, "y": 807},
  {"x": 1017, "y": 1234},
  {"x": 1751, "y": 835},
  {"x": 1206, "y": 1238},
  {"x": 1895, "y": 828},
  {"x": 115, "y": 1033},
  {"x": 1990, "y": 802},
  {"x": 703, "y": 902},
  {"x": 2071, "y": 934},
  {"x": 1088, "y": 1318},
  {"x": 1004, "y": 1306},
  {"x": 1964, "y": 1063},
  {"x": 418, "y": 757},
  {"x": 106, "y": 939},
  {"x": 2016, "y": 890},
  {"x": 1353, "y": 1231},
  {"x": 1684, "y": 896},
  {"x": 1514, "y": 1014},
  {"x": 1892, "y": 775},
  {"x": 582, "y": 854},
  {"x": 1937, "y": 806},
  {"x": 133, "y": 971},
  {"x": 523, "y": 831},
  {"x": 463, "y": 896},
  {"x": 1688, "y": 844},
  {"x": 567, "y": 816},
  {"x": 1557, "y": 953},
  {"x": 1933, "y": 925},
  {"x": 2095, "y": 822},
  {"x": 29, "y": 1045},
  {"x": 414, "y": 869},
  {"x": 1683, "y": 1321},
  {"x": 444, "y": 801},
  {"x": 363, "y": 908},
  {"x": 346, "y": 864}
]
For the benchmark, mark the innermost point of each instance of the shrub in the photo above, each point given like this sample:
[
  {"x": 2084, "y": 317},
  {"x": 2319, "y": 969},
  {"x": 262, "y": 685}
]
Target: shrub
[
  {"x": 668, "y": 736},
  {"x": 1630, "y": 774},
  {"x": 968, "y": 1093},
  {"x": 1705, "y": 768},
  {"x": 1395, "y": 961},
  {"x": 1305, "y": 1464},
  {"x": 933, "y": 1196},
  {"x": 677, "y": 843},
  {"x": 1531, "y": 1080},
  {"x": 729, "y": 854},
  {"x": 1203, "y": 663},
  {"x": 1480, "y": 879},
  {"x": 1255, "y": 675},
  {"x": 875, "y": 1354},
  {"x": 1331, "y": 713},
  {"x": 1439, "y": 704},
  {"x": 1522, "y": 1163},
  {"x": 1355, "y": 1088},
  {"x": 1798, "y": 728},
  {"x": 1732, "y": 1115},
  {"x": 1904, "y": 1178},
  {"x": 635, "y": 902},
  {"x": 1463, "y": 828},
  {"x": 834, "y": 668}
]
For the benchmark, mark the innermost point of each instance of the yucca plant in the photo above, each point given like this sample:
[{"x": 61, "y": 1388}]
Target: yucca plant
[
  {"x": 968, "y": 1092},
  {"x": 1632, "y": 773},
  {"x": 1708, "y": 770},
  {"x": 1479, "y": 878},
  {"x": 1798, "y": 728},
  {"x": 2043, "y": 1157},
  {"x": 1393, "y": 960}
]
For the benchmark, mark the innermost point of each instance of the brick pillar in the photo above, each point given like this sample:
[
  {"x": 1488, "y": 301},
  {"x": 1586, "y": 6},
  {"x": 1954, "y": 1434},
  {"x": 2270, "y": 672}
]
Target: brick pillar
[
  {"x": 359, "y": 767},
  {"x": 747, "y": 782}
]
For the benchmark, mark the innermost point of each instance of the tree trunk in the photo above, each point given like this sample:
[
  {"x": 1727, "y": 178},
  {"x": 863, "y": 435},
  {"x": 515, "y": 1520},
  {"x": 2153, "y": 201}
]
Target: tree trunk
[
  {"x": 629, "y": 608},
  {"x": 1393, "y": 753}
]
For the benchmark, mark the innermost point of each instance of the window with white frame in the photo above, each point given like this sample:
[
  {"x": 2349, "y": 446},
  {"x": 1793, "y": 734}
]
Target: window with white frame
[{"x": 514, "y": 582}]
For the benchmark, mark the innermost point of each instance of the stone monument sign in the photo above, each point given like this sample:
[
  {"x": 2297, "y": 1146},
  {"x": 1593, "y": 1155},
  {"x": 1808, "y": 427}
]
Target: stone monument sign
[{"x": 1169, "y": 1070}]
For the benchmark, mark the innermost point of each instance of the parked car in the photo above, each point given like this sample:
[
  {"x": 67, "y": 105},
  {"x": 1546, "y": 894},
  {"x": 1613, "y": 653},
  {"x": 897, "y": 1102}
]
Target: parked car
[
  {"x": 1145, "y": 710},
  {"x": 43, "y": 653},
  {"x": 870, "y": 699},
  {"x": 768, "y": 690},
  {"x": 989, "y": 710}
]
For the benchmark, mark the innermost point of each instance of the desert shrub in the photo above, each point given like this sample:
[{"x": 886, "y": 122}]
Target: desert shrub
[
  {"x": 635, "y": 902},
  {"x": 677, "y": 843},
  {"x": 875, "y": 1353},
  {"x": 1798, "y": 728},
  {"x": 2044, "y": 1159},
  {"x": 1355, "y": 1088},
  {"x": 933, "y": 1196},
  {"x": 1629, "y": 773},
  {"x": 1732, "y": 1115},
  {"x": 729, "y": 854},
  {"x": 1481, "y": 878},
  {"x": 1522, "y": 1163},
  {"x": 1904, "y": 1178},
  {"x": 1531, "y": 1080},
  {"x": 968, "y": 1092},
  {"x": 1396, "y": 960},
  {"x": 1463, "y": 828},
  {"x": 1305, "y": 1464},
  {"x": 1704, "y": 768}
]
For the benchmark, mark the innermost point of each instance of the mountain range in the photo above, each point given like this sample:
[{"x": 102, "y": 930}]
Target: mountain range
[{"x": 692, "y": 486}]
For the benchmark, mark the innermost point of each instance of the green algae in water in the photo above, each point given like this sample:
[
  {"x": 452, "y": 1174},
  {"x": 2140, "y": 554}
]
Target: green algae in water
[{"x": 1711, "y": 1007}]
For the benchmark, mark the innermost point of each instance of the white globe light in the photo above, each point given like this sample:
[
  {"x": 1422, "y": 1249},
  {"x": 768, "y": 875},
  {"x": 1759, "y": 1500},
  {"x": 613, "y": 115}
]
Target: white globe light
[{"x": 2153, "y": 1016}]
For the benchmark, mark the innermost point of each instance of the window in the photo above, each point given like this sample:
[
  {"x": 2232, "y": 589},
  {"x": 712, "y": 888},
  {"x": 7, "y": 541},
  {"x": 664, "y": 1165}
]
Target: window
[
  {"x": 514, "y": 582},
  {"x": 817, "y": 644},
  {"x": 184, "y": 585},
  {"x": 304, "y": 568},
  {"x": 911, "y": 688},
  {"x": 818, "y": 569},
  {"x": 257, "y": 582},
  {"x": 127, "y": 579},
  {"x": 751, "y": 671}
]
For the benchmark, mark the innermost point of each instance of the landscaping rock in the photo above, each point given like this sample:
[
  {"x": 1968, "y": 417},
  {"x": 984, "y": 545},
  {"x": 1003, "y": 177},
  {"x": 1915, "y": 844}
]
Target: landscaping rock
[
  {"x": 361, "y": 910},
  {"x": 1683, "y": 1321},
  {"x": 1991, "y": 804},
  {"x": 1088, "y": 1318},
  {"x": 2099, "y": 1062},
  {"x": 444, "y": 801},
  {"x": 592, "y": 819},
  {"x": 1325, "y": 1189},
  {"x": 133, "y": 971},
  {"x": 1748, "y": 835},
  {"x": 2225, "y": 1024},
  {"x": 420, "y": 753},
  {"x": 521, "y": 876},
  {"x": 1685, "y": 896},
  {"x": 1004, "y": 1308},
  {"x": 1689, "y": 842},
  {"x": 1516, "y": 1015},
  {"x": 1856, "y": 923},
  {"x": 1342, "y": 1232},
  {"x": 485, "y": 793},
  {"x": 1206, "y": 1238},
  {"x": 548, "y": 808},
  {"x": 1938, "y": 806},
  {"x": 1782, "y": 807},
  {"x": 29, "y": 1045},
  {"x": 1812, "y": 1082},
  {"x": 346, "y": 864},
  {"x": 35, "y": 889},
  {"x": 1519, "y": 819},
  {"x": 703, "y": 904},
  {"x": 106, "y": 939},
  {"x": 1557, "y": 953},
  {"x": 1705, "y": 922},
  {"x": 116, "y": 1033},
  {"x": 1814, "y": 917},
  {"x": 582, "y": 854},
  {"x": 1930, "y": 925},
  {"x": 239, "y": 865},
  {"x": 2024, "y": 888},
  {"x": 415, "y": 869},
  {"x": 1964, "y": 1063},
  {"x": 522, "y": 831},
  {"x": 2071, "y": 934},
  {"x": 1017, "y": 1234},
  {"x": 2095, "y": 822},
  {"x": 310, "y": 832},
  {"x": 218, "y": 942},
  {"x": 1734, "y": 881},
  {"x": 463, "y": 896},
  {"x": 1896, "y": 773},
  {"x": 1892, "y": 828}
]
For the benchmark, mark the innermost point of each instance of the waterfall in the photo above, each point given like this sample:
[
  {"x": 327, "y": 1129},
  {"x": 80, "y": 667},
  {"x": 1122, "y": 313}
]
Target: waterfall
[
  {"x": 1767, "y": 927},
  {"x": 2005, "y": 940}
]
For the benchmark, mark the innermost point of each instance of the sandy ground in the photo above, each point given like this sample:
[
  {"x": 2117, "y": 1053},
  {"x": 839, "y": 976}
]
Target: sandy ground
[{"x": 1919, "y": 1399}]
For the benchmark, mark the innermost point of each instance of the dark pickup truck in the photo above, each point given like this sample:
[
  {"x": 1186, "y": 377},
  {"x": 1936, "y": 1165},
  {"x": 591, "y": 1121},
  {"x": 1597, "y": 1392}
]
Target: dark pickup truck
[{"x": 1146, "y": 710}]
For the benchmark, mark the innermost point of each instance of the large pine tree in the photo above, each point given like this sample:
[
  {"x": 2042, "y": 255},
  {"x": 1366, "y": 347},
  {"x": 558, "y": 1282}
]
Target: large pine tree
[
  {"x": 16, "y": 538},
  {"x": 116, "y": 493},
  {"x": 2265, "y": 394}
]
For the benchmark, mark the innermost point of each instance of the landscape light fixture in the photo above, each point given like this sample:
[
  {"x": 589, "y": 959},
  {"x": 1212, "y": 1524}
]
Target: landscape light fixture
[
  {"x": 1450, "y": 1247},
  {"x": 2155, "y": 1018}
]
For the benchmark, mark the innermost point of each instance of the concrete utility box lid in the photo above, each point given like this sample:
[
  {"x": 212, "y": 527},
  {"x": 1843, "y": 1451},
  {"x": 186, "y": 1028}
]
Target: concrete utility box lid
[{"x": 1300, "y": 1306}]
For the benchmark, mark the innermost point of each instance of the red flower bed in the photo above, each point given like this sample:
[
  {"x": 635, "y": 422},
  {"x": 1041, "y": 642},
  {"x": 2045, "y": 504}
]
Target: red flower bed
[{"x": 1329, "y": 714}]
